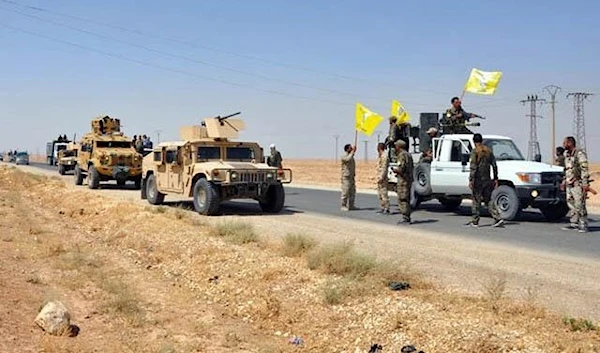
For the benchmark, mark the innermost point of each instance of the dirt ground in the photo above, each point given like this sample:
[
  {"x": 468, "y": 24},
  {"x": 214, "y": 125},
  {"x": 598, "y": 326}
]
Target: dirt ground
[
  {"x": 327, "y": 173},
  {"x": 163, "y": 279}
]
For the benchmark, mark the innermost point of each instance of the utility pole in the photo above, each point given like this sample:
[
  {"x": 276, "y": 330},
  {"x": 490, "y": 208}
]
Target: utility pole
[
  {"x": 579, "y": 117},
  {"x": 534, "y": 145},
  {"x": 366, "y": 142},
  {"x": 336, "y": 137},
  {"x": 379, "y": 133},
  {"x": 552, "y": 91},
  {"x": 157, "y": 135}
]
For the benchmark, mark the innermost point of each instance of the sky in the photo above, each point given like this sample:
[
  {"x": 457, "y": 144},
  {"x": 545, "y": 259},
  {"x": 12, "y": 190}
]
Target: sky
[{"x": 295, "y": 69}]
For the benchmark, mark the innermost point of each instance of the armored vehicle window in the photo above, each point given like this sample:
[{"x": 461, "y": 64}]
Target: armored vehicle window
[
  {"x": 171, "y": 156},
  {"x": 113, "y": 144},
  {"x": 157, "y": 156},
  {"x": 239, "y": 153},
  {"x": 205, "y": 153},
  {"x": 86, "y": 148}
]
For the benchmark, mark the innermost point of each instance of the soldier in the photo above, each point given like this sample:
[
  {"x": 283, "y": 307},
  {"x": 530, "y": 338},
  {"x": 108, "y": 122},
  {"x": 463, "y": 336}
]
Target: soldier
[
  {"x": 559, "y": 160},
  {"x": 404, "y": 171},
  {"x": 382, "y": 179},
  {"x": 427, "y": 154},
  {"x": 348, "y": 182},
  {"x": 576, "y": 181},
  {"x": 482, "y": 158},
  {"x": 456, "y": 118},
  {"x": 274, "y": 160}
]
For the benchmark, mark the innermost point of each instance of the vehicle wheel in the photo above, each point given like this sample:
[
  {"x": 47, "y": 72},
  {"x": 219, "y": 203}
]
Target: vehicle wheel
[
  {"x": 93, "y": 178},
  {"x": 206, "y": 197},
  {"x": 450, "y": 204},
  {"x": 422, "y": 176},
  {"x": 556, "y": 212},
  {"x": 507, "y": 202},
  {"x": 274, "y": 199},
  {"x": 78, "y": 176},
  {"x": 138, "y": 183},
  {"x": 415, "y": 200},
  {"x": 154, "y": 196},
  {"x": 61, "y": 169}
]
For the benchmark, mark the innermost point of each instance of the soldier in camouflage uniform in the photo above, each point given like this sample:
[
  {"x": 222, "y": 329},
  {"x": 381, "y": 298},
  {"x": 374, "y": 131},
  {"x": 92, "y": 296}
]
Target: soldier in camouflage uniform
[
  {"x": 456, "y": 117},
  {"x": 482, "y": 160},
  {"x": 405, "y": 179},
  {"x": 348, "y": 182},
  {"x": 382, "y": 179},
  {"x": 577, "y": 183},
  {"x": 560, "y": 157}
]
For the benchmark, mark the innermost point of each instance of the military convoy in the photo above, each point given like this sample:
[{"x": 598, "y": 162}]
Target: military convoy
[
  {"x": 210, "y": 167},
  {"x": 106, "y": 154}
]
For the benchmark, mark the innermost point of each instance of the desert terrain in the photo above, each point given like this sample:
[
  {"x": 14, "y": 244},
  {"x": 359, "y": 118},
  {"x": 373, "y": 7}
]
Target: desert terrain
[{"x": 141, "y": 278}]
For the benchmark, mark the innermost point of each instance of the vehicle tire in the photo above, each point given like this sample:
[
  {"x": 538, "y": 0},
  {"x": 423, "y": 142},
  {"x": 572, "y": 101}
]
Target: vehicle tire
[
  {"x": 154, "y": 196},
  {"x": 206, "y": 197},
  {"x": 61, "y": 169},
  {"x": 93, "y": 178},
  {"x": 507, "y": 202},
  {"x": 556, "y": 212},
  {"x": 78, "y": 176},
  {"x": 422, "y": 177},
  {"x": 450, "y": 204},
  {"x": 415, "y": 200},
  {"x": 138, "y": 183},
  {"x": 274, "y": 199}
]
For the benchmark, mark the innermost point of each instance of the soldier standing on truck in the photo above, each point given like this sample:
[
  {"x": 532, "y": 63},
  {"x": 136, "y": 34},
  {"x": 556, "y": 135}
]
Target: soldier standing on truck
[
  {"x": 405, "y": 179},
  {"x": 348, "y": 181},
  {"x": 576, "y": 181},
  {"x": 482, "y": 159},
  {"x": 456, "y": 118},
  {"x": 427, "y": 155},
  {"x": 382, "y": 179}
]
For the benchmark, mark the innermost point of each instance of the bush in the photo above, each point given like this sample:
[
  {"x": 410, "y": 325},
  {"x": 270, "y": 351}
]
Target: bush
[{"x": 295, "y": 245}]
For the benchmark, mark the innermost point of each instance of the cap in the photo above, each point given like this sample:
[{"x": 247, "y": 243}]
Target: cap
[
  {"x": 400, "y": 143},
  {"x": 432, "y": 130},
  {"x": 272, "y": 145}
]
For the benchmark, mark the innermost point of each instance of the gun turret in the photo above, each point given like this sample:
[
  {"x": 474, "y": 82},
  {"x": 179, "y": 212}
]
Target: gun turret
[{"x": 106, "y": 125}]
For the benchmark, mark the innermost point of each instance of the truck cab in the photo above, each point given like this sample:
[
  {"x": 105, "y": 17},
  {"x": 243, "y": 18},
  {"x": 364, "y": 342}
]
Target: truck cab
[{"x": 522, "y": 183}]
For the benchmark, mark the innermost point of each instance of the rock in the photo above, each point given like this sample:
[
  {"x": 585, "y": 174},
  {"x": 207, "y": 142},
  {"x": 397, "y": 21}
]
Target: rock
[{"x": 54, "y": 318}]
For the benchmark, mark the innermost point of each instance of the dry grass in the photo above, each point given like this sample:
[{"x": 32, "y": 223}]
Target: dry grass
[
  {"x": 335, "y": 291},
  {"x": 340, "y": 259},
  {"x": 235, "y": 232},
  {"x": 295, "y": 245},
  {"x": 576, "y": 325}
]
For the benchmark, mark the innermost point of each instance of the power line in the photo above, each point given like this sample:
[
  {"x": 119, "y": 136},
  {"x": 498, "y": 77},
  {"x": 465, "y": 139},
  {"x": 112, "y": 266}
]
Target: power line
[
  {"x": 552, "y": 91},
  {"x": 165, "y": 68},
  {"x": 534, "y": 145},
  {"x": 579, "y": 116}
]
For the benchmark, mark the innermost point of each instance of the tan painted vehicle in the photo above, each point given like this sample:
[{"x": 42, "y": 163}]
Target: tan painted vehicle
[
  {"x": 106, "y": 154},
  {"x": 67, "y": 158},
  {"x": 208, "y": 166}
]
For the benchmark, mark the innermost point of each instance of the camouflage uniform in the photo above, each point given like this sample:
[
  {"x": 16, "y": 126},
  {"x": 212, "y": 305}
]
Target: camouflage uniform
[
  {"x": 275, "y": 159},
  {"x": 576, "y": 177},
  {"x": 382, "y": 182},
  {"x": 348, "y": 183},
  {"x": 560, "y": 161},
  {"x": 405, "y": 179},
  {"x": 482, "y": 159},
  {"x": 455, "y": 120}
]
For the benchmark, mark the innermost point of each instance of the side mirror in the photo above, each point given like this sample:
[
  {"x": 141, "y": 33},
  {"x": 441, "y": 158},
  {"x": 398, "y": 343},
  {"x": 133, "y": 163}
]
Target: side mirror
[
  {"x": 464, "y": 159},
  {"x": 537, "y": 157}
]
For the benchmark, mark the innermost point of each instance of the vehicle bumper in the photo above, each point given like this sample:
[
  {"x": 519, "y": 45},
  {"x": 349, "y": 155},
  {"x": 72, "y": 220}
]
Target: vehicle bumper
[
  {"x": 120, "y": 172},
  {"x": 244, "y": 190},
  {"x": 539, "y": 196}
]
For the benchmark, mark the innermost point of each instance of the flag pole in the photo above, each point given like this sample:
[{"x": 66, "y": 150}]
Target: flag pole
[{"x": 355, "y": 138}]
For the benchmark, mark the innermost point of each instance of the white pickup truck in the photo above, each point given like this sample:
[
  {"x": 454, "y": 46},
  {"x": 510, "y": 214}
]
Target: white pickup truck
[{"x": 522, "y": 183}]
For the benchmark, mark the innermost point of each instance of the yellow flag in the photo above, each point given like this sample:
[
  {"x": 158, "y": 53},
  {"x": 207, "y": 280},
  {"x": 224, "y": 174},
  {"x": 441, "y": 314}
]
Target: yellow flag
[
  {"x": 366, "y": 120},
  {"x": 400, "y": 113},
  {"x": 483, "y": 82}
]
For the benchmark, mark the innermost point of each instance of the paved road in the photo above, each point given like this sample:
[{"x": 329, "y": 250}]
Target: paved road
[{"x": 531, "y": 231}]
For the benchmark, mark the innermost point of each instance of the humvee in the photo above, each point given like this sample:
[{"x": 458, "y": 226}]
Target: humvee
[
  {"x": 106, "y": 154},
  {"x": 208, "y": 166},
  {"x": 67, "y": 158}
]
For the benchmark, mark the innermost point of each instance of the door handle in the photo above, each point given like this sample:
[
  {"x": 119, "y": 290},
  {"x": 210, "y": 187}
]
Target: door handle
[{"x": 439, "y": 169}]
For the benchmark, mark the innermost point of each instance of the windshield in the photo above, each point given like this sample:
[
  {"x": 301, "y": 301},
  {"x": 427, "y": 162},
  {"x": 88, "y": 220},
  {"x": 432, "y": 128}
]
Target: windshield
[
  {"x": 22, "y": 154},
  {"x": 504, "y": 150},
  {"x": 206, "y": 153},
  {"x": 61, "y": 147},
  {"x": 113, "y": 144},
  {"x": 239, "y": 153}
]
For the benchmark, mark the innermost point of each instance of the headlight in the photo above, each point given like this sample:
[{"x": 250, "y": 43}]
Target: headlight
[
  {"x": 530, "y": 178},
  {"x": 270, "y": 176},
  {"x": 234, "y": 175}
]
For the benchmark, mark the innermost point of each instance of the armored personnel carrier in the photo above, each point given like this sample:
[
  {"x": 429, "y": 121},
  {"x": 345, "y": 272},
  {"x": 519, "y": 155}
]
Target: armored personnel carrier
[
  {"x": 67, "y": 158},
  {"x": 210, "y": 167},
  {"x": 106, "y": 154}
]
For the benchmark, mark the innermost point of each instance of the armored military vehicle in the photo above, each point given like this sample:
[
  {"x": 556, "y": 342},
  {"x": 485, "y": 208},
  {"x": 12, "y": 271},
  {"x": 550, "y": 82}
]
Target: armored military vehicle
[
  {"x": 53, "y": 148},
  {"x": 67, "y": 158},
  {"x": 106, "y": 154},
  {"x": 210, "y": 167}
]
